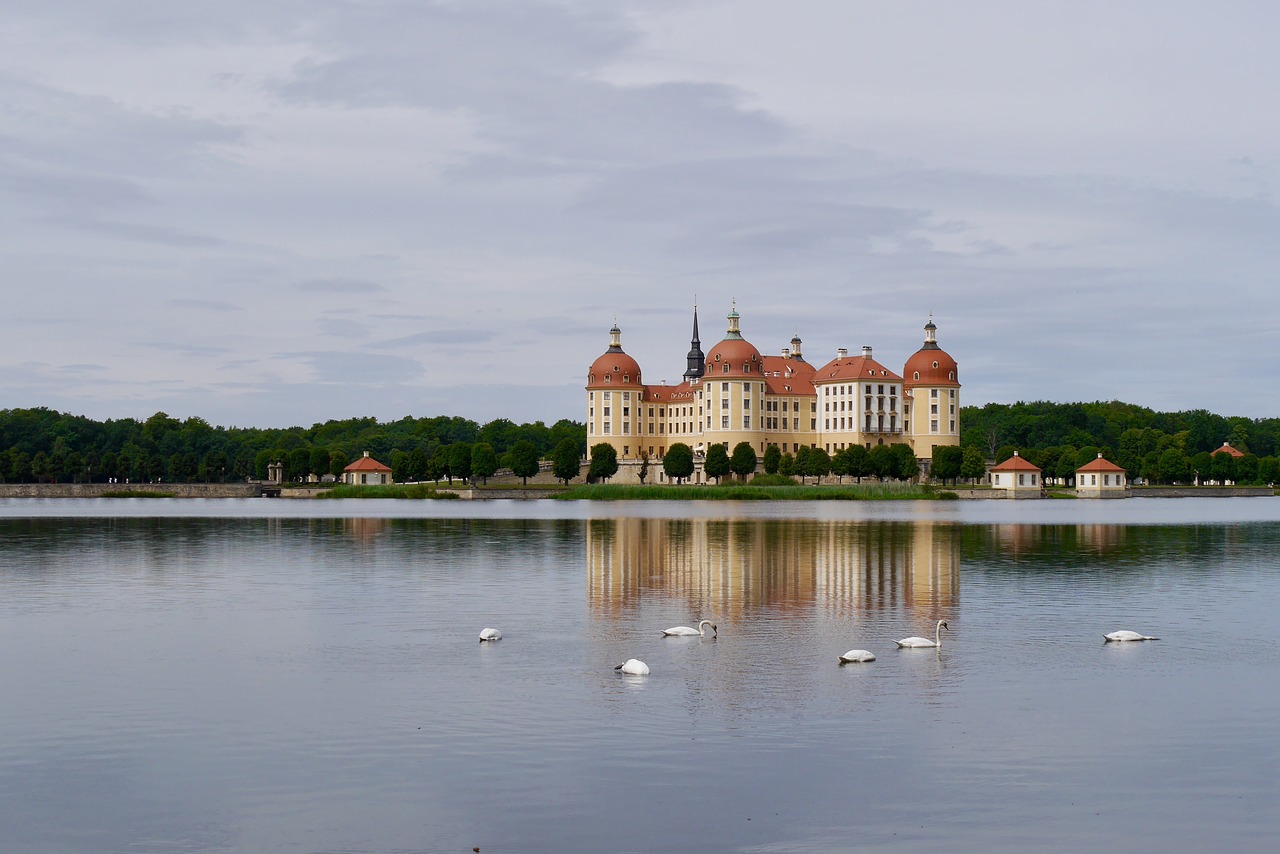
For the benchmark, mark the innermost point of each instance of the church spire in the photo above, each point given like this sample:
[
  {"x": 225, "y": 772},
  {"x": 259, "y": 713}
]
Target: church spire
[{"x": 696, "y": 361}]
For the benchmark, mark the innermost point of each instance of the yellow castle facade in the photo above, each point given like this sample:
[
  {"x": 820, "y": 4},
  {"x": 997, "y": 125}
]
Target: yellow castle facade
[{"x": 734, "y": 393}]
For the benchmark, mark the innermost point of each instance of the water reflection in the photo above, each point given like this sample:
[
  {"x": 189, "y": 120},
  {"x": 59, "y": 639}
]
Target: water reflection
[{"x": 786, "y": 566}]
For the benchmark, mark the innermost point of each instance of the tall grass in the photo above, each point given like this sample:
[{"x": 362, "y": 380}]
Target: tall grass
[{"x": 748, "y": 492}]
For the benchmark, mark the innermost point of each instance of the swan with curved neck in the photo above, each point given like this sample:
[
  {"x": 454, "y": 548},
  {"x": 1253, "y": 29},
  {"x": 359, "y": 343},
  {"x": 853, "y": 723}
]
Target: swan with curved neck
[
  {"x": 925, "y": 643},
  {"x": 686, "y": 631},
  {"x": 1126, "y": 635}
]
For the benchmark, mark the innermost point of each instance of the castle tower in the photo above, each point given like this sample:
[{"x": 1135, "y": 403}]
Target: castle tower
[{"x": 932, "y": 382}]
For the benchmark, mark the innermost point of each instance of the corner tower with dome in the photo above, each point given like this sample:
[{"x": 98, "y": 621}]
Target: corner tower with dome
[{"x": 736, "y": 394}]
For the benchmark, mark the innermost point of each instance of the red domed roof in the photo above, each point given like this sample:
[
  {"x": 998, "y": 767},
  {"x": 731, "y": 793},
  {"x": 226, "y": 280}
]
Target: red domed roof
[
  {"x": 739, "y": 354},
  {"x": 614, "y": 367},
  {"x": 734, "y": 352},
  {"x": 931, "y": 365},
  {"x": 618, "y": 366}
]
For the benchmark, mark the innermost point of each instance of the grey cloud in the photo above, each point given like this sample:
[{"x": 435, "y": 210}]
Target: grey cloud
[
  {"x": 205, "y": 305},
  {"x": 436, "y": 337},
  {"x": 372, "y": 370},
  {"x": 338, "y": 285}
]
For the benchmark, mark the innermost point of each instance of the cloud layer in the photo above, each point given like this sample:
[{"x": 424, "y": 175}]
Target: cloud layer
[{"x": 279, "y": 213}]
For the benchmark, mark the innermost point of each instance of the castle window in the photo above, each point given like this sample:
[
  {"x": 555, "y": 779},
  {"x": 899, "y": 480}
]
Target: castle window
[
  {"x": 724, "y": 422},
  {"x": 915, "y": 375},
  {"x": 935, "y": 365},
  {"x": 726, "y": 368}
]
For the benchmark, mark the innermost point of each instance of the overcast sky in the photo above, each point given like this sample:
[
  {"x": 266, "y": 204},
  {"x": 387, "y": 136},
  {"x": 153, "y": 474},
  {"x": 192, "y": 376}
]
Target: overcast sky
[{"x": 269, "y": 212}]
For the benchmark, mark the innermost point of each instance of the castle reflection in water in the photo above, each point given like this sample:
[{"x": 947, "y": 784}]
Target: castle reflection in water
[{"x": 727, "y": 567}]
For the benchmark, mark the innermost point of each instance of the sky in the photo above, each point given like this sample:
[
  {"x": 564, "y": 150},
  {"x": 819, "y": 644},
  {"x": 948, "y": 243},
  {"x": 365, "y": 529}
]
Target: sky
[{"x": 269, "y": 213}]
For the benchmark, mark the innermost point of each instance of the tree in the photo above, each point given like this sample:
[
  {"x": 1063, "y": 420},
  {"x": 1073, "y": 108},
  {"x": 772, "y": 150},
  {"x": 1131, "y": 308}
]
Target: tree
[
  {"x": 717, "y": 462},
  {"x": 787, "y": 465},
  {"x": 772, "y": 457},
  {"x": 320, "y": 460},
  {"x": 1223, "y": 467},
  {"x": 744, "y": 459},
  {"x": 947, "y": 460},
  {"x": 459, "y": 461},
  {"x": 400, "y": 466},
  {"x": 337, "y": 463},
  {"x": 678, "y": 463},
  {"x": 604, "y": 461},
  {"x": 881, "y": 461},
  {"x": 819, "y": 463},
  {"x": 973, "y": 466},
  {"x": 524, "y": 460},
  {"x": 906, "y": 466},
  {"x": 644, "y": 467},
  {"x": 802, "y": 461},
  {"x": 440, "y": 464},
  {"x": 484, "y": 460},
  {"x": 566, "y": 461},
  {"x": 856, "y": 461},
  {"x": 1173, "y": 466}
]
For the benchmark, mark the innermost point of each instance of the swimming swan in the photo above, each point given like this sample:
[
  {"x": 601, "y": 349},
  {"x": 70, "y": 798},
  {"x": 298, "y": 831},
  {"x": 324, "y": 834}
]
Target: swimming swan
[
  {"x": 1126, "y": 635},
  {"x": 918, "y": 643},
  {"x": 857, "y": 655},
  {"x": 490, "y": 634},
  {"x": 685, "y": 631},
  {"x": 633, "y": 667}
]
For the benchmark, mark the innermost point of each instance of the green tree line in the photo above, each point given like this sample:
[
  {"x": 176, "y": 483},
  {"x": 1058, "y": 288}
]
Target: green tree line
[
  {"x": 41, "y": 445},
  {"x": 1158, "y": 447}
]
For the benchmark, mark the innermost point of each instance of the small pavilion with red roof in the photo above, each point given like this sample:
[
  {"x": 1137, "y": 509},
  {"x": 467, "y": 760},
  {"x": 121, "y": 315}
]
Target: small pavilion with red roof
[
  {"x": 367, "y": 471},
  {"x": 1017, "y": 477},
  {"x": 1101, "y": 478}
]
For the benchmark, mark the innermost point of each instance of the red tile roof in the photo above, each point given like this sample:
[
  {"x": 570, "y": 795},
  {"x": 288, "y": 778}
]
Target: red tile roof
[
  {"x": 1100, "y": 464},
  {"x": 854, "y": 368},
  {"x": 1227, "y": 449},
  {"x": 367, "y": 463},
  {"x": 1015, "y": 463}
]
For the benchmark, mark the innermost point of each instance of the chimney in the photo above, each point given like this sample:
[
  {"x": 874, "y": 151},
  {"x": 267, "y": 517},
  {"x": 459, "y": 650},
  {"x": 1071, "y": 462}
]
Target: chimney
[
  {"x": 866, "y": 352},
  {"x": 786, "y": 352},
  {"x": 842, "y": 353},
  {"x": 366, "y": 453}
]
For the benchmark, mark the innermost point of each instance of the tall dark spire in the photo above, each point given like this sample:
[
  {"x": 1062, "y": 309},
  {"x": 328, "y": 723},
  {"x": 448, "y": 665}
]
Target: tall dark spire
[{"x": 697, "y": 362}]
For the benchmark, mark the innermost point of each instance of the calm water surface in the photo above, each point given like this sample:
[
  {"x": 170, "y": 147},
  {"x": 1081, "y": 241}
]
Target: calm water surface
[{"x": 305, "y": 676}]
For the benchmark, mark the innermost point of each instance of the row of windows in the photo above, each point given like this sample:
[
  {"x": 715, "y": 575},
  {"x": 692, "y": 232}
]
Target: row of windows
[{"x": 838, "y": 390}]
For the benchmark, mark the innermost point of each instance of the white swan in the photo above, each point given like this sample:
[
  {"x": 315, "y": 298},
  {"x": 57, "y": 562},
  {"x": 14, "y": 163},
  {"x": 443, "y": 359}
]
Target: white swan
[
  {"x": 685, "y": 631},
  {"x": 633, "y": 667},
  {"x": 918, "y": 643},
  {"x": 1126, "y": 635},
  {"x": 857, "y": 655},
  {"x": 490, "y": 635}
]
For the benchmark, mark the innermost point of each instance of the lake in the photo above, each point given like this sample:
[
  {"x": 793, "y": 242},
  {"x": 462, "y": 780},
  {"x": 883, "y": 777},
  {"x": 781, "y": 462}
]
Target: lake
[{"x": 270, "y": 675}]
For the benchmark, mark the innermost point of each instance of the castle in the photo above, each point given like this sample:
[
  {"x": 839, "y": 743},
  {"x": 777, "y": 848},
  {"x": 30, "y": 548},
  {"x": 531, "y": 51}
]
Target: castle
[{"x": 736, "y": 394}]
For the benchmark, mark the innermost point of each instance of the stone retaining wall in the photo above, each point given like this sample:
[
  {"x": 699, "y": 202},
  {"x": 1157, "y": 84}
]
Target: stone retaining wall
[{"x": 97, "y": 490}]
